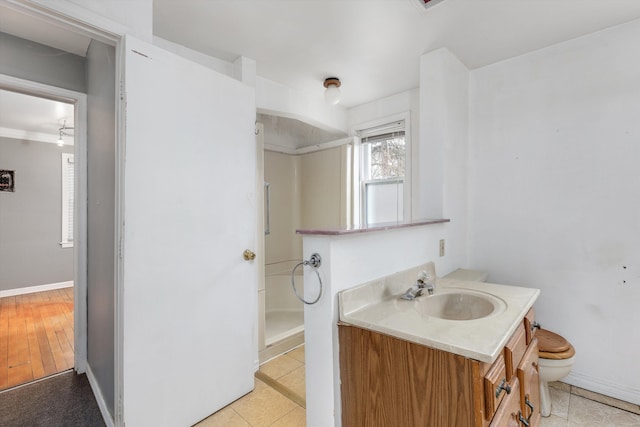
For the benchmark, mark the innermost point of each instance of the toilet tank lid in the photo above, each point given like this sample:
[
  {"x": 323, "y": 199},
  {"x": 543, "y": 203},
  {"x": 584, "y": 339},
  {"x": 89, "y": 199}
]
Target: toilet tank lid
[{"x": 468, "y": 275}]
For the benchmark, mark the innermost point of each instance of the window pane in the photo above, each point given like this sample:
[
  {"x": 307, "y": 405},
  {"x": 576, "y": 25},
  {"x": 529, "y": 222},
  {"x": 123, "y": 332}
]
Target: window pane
[
  {"x": 384, "y": 202},
  {"x": 386, "y": 157}
]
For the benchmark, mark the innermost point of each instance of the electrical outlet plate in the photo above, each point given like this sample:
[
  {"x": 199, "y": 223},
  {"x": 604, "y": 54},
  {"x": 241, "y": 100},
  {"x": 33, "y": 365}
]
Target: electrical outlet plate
[{"x": 441, "y": 247}]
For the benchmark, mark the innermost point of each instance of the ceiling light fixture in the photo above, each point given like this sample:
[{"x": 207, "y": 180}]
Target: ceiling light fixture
[
  {"x": 428, "y": 3},
  {"x": 332, "y": 94},
  {"x": 62, "y": 132}
]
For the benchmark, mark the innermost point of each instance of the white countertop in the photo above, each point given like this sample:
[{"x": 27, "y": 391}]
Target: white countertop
[{"x": 377, "y": 306}]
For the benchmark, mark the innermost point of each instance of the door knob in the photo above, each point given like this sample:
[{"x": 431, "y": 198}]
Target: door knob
[{"x": 248, "y": 255}]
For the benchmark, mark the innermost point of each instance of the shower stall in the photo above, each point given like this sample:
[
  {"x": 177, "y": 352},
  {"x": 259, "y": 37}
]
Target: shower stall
[{"x": 303, "y": 188}]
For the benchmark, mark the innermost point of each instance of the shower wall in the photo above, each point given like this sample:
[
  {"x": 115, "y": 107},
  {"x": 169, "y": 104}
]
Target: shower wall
[
  {"x": 282, "y": 244},
  {"x": 325, "y": 199},
  {"x": 309, "y": 190}
]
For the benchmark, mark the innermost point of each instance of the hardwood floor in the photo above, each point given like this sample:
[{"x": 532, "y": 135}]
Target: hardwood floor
[{"x": 36, "y": 336}]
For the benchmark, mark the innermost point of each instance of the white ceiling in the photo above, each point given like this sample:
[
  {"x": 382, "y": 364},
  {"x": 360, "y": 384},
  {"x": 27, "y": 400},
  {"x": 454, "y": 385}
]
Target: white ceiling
[
  {"x": 33, "y": 118},
  {"x": 374, "y": 46}
]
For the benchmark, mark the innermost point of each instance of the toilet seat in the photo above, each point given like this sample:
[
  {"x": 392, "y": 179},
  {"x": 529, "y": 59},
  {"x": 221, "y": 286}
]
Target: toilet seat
[{"x": 553, "y": 346}]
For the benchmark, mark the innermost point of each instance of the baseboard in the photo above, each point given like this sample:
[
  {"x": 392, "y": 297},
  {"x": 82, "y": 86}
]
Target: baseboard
[
  {"x": 33, "y": 289},
  {"x": 282, "y": 346},
  {"x": 99, "y": 398},
  {"x": 606, "y": 388}
]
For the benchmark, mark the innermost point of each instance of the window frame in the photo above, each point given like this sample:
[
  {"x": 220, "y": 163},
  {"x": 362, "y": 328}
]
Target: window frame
[{"x": 359, "y": 189}]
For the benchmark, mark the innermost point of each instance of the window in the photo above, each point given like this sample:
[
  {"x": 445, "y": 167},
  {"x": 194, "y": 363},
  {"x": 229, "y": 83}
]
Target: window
[
  {"x": 383, "y": 169},
  {"x": 67, "y": 200}
]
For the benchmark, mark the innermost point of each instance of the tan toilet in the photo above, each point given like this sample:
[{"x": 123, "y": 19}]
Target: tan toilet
[{"x": 556, "y": 356}]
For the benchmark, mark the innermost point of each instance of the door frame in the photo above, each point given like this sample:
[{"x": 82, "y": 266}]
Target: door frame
[
  {"x": 79, "y": 101},
  {"x": 74, "y": 18}
]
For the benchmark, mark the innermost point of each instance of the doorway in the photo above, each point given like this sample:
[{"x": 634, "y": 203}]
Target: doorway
[
  {"x": 36, "y": 234},
  {"x": 307, "y": 182}
]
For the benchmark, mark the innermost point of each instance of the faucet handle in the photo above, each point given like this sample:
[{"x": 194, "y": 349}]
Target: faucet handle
[{"x": 424, "y": 276}]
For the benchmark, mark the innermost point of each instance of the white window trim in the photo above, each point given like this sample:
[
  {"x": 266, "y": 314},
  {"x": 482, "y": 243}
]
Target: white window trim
[
  {"x": 359, "y": 212},
  {"x": 67, "y": 193}
]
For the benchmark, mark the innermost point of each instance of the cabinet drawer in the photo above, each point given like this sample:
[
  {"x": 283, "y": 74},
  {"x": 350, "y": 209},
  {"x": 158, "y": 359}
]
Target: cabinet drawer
[
  {"x": 514, "y": 350},
  {"x": 496, "y": 386},
  {"x": 529, "y": 377},
  {"x": 508, "y": 414},
  {"x": 530, "y": 324}
]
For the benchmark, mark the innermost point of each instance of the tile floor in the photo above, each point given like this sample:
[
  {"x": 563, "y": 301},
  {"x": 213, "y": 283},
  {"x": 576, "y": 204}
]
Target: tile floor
[
  {"x": 570, "y": 406},
  {"x": 264, "y": 406},
  {"x": 569, "y": 409}
]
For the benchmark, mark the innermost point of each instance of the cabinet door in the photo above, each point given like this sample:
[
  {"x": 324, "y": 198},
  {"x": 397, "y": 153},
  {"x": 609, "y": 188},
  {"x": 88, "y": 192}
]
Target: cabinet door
[
  {"x": 528, "y": 374},
  {"x": 508, "y": 414}
]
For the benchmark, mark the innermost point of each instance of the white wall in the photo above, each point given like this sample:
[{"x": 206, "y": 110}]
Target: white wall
[
  {"x": 441, "y": 161},
  {"x": 555, "y": 197}
]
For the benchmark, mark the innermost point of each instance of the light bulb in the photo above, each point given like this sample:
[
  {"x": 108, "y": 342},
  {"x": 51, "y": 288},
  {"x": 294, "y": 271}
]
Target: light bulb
[
  {"x": 60, "y": 141},
  {"x": 332, "y": 94}
]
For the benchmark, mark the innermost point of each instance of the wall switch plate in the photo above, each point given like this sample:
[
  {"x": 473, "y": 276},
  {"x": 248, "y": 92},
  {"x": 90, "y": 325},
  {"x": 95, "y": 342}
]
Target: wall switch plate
[{"x": 441, "y": 247}]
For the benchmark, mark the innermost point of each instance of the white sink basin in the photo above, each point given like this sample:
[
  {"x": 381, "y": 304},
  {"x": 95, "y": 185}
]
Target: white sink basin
[{"x": 459, "y": 304}]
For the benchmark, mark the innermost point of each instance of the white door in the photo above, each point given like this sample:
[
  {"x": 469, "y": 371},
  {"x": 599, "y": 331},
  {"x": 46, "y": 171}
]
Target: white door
[{"x": 190, "y": 299}]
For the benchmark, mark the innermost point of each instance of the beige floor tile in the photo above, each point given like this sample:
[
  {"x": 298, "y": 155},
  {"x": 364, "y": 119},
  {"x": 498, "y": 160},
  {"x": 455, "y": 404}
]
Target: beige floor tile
[
  {"x": 295, "y": 418},
  {"x": 587, "y": 413},
  {"x": 553, "y": 421},
  {"x": 280, "y": 366},
  {"x": 263, "y": 406},
  {"x": 559, "y": 402},
  {"x": 297, "y": 353},
  {"x": 296, "y": 382},
  {"x": 226, "y": 417}
]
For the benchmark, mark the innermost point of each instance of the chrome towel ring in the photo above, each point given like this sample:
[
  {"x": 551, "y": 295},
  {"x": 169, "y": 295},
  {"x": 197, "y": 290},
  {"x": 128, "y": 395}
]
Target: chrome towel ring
[{"x": 315, "y": 261}]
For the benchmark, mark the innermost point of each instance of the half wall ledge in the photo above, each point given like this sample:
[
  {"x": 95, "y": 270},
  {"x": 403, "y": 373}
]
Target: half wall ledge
[{"x": 368, "y": 228}]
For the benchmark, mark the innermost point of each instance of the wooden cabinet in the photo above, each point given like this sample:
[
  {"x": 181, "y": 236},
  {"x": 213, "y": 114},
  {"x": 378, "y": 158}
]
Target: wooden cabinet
[
  {"x": 529, "y": 376},
  {"x": 388, "y": 381}
]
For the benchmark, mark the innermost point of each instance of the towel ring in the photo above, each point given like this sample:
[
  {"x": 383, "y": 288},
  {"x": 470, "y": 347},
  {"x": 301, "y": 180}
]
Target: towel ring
[{"x": 315, "y": 261}]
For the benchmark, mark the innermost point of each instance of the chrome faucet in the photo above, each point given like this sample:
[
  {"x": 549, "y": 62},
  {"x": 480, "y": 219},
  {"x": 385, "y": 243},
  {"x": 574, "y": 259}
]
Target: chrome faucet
[{"x": 424, "y": 282}]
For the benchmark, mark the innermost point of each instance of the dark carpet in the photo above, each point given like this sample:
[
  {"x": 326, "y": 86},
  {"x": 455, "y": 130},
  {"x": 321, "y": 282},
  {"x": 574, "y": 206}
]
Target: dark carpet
[{"x": 64, "y": 400}]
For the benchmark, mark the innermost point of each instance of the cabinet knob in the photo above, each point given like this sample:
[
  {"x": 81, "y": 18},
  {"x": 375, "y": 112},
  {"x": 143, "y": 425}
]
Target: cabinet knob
[
  {"x": 248, "y": 255},
  {"x": 503, "y": 386},
  {"x": 535, "y": 325}
]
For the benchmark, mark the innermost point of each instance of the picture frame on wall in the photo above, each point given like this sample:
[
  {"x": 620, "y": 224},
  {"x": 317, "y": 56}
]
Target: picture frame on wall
[{"x": 7, "y": 181}]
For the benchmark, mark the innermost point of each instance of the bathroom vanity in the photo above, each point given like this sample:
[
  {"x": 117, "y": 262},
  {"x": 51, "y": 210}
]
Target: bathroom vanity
[{"x": 464, "y": 356}]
